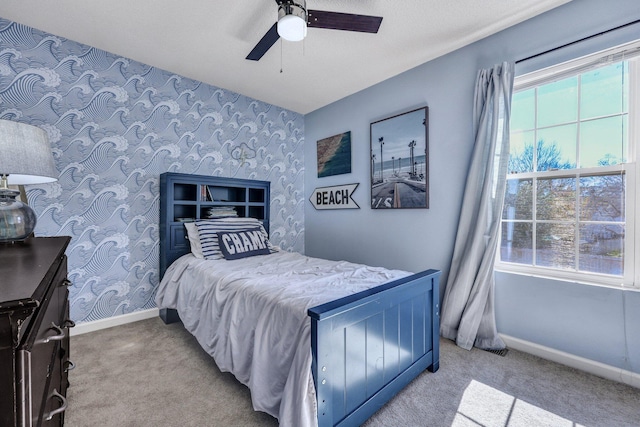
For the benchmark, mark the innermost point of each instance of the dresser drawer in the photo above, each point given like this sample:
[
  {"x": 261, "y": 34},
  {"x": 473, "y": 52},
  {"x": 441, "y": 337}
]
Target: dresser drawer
[
  {"x": 64, "y": 352},
  {"x": 55, "y": 402},
  {"x": 67, "y": 324},
  {"x": 40, "y": 355}
]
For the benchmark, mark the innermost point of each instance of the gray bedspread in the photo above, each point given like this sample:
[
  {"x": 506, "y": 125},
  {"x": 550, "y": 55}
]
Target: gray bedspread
[{"x": 251, "y": 316}]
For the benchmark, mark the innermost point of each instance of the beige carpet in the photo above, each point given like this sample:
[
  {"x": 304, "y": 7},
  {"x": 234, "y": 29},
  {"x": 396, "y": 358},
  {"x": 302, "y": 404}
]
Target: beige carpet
[{"x": 151, "y": 374}]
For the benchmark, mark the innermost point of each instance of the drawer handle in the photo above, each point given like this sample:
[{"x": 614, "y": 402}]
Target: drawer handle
[
  {"x": 60, "y": 334},
  {"x": 62, "y": 407},
  {"x": 66, "y": 282},
  {"x": 69, "y": 324},
  {"x": 69, "y": 366}
]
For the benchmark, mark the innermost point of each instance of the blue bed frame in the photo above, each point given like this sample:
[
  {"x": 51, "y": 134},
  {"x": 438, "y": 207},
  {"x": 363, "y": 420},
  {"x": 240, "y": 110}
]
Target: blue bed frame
[{"x": 366, "y": 347}]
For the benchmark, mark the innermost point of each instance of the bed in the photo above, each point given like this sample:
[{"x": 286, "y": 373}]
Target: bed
[{"x": 318, "y": 342}]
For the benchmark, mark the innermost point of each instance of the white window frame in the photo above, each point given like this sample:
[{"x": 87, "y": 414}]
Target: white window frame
[{"x": 631, "y": 275}]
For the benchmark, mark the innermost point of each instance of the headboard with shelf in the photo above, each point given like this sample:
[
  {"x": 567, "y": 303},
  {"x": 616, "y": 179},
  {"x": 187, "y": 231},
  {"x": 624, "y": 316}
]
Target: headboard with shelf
[{"x": 185, "y": 198}]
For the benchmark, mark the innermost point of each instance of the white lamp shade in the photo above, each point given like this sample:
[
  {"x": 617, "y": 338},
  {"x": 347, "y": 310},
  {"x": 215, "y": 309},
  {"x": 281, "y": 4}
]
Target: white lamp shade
[
  {"x": 292, "y": 28},
  {"x": 25, "y": 154}
]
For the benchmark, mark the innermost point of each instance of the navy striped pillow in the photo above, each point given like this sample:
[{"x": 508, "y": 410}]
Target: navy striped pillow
[{"x": 209, "y": 229}]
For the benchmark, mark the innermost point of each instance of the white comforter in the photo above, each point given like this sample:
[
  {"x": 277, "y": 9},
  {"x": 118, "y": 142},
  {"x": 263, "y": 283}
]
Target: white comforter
[{"x": 251, "y": 316}]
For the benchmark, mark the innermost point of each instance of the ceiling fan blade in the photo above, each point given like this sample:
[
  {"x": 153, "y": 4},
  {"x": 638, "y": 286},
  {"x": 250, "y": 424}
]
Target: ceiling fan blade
[
  {"x": 265, "y": 43},
  {"x": 343, "y": 21}
]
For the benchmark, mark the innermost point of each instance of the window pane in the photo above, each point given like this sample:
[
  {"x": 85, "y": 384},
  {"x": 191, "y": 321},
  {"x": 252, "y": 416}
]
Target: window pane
[
  {"x": 517, "y": 242},
  {"x": 557, "y": 148},
  {"x": 523, "y": 110},
  {"x": 521, "y": 152},
  {"x": 518, "y": 200},
  {"x": 555, "y": 245},
  {"x": 558, "y": 102},
  {"x": 602, "y": 142},
  {"x": 556, "y": 199},
  {"x": 601, "y": 249},
  {"x": 602, "y": 198},
  {"x": 603, "y": 91}
]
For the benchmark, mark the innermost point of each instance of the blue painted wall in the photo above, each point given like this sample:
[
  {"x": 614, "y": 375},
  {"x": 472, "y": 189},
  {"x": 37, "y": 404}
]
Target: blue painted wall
[
  {"x": 593, "y": 322},
  {"x": 115, "y": 125}
]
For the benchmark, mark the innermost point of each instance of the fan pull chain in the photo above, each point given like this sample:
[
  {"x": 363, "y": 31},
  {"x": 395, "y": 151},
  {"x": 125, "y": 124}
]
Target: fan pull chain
[{"x": 280, "y": 56}]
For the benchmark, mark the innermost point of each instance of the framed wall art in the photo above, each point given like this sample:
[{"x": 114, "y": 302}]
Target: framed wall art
[
  {"x": 334, "y": 155},
  {"x": 400, "y": 161}
]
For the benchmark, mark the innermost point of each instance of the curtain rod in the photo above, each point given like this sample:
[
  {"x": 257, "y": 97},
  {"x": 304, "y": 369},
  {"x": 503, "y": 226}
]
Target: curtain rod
[{"x": 578, "y": 41}]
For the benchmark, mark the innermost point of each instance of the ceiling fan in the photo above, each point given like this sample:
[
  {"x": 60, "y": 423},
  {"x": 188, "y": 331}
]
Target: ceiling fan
[{"x": 294, "y": 18}]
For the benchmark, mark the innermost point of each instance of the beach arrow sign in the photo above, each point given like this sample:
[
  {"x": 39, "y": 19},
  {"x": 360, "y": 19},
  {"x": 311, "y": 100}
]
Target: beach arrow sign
[{"x": 334, "y": 197}]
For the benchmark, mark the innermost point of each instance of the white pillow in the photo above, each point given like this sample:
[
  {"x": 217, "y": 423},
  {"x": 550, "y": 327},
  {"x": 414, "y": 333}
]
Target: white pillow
[
  {"x": 208, "y": 231},
  {"x": 194, "y": 239}
]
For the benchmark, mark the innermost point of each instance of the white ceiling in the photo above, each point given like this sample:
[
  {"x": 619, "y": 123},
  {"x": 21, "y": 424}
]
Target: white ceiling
[{"x": 208, "y": 40}]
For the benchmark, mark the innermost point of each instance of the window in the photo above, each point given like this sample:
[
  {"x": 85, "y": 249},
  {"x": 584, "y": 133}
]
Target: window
[{"x": 569, "y": 209}]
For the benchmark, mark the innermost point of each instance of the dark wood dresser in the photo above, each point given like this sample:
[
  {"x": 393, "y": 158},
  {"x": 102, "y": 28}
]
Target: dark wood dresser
[{"x": 34, "y": 332}]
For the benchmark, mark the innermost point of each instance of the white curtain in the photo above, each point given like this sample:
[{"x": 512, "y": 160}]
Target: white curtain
[{"x": 468, "y": 315}]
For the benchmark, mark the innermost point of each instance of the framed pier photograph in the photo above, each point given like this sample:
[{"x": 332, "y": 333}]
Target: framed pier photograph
[{"x": 400, "y": 161}]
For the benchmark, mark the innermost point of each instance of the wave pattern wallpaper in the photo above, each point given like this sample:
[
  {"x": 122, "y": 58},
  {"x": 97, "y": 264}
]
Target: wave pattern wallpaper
[{"x": 115, "y": 125}]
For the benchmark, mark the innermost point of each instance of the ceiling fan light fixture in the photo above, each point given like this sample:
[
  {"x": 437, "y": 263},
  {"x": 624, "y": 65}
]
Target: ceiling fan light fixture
[
  {"x": 294, "y": 18},
  {"x": 292, "y": 21}
]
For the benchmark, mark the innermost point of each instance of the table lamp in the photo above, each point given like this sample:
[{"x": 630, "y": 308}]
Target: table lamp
[{"x": 25, "y": 158}]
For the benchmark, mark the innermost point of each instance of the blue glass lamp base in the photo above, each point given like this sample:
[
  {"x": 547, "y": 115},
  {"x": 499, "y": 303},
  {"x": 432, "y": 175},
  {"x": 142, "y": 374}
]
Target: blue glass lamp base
[{"x": 17, "y": 219}]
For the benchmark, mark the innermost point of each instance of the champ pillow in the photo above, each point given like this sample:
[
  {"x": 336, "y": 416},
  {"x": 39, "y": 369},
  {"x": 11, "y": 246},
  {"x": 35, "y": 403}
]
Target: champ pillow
[
  {"x": 208, "y": 231},
  {"x": 194, "y": 239},
  {"x": 243, "y": 244}
]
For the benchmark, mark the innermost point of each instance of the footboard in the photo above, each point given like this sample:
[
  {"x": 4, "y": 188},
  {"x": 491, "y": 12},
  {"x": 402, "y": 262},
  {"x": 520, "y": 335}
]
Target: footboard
[{"x": 368, "y": 346}]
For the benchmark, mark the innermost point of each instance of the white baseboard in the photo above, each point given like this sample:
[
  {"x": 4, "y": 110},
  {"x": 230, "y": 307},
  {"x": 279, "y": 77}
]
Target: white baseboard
[
  {"x": 96, "y": 325},
  {"x": 571, "y": 360}
]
